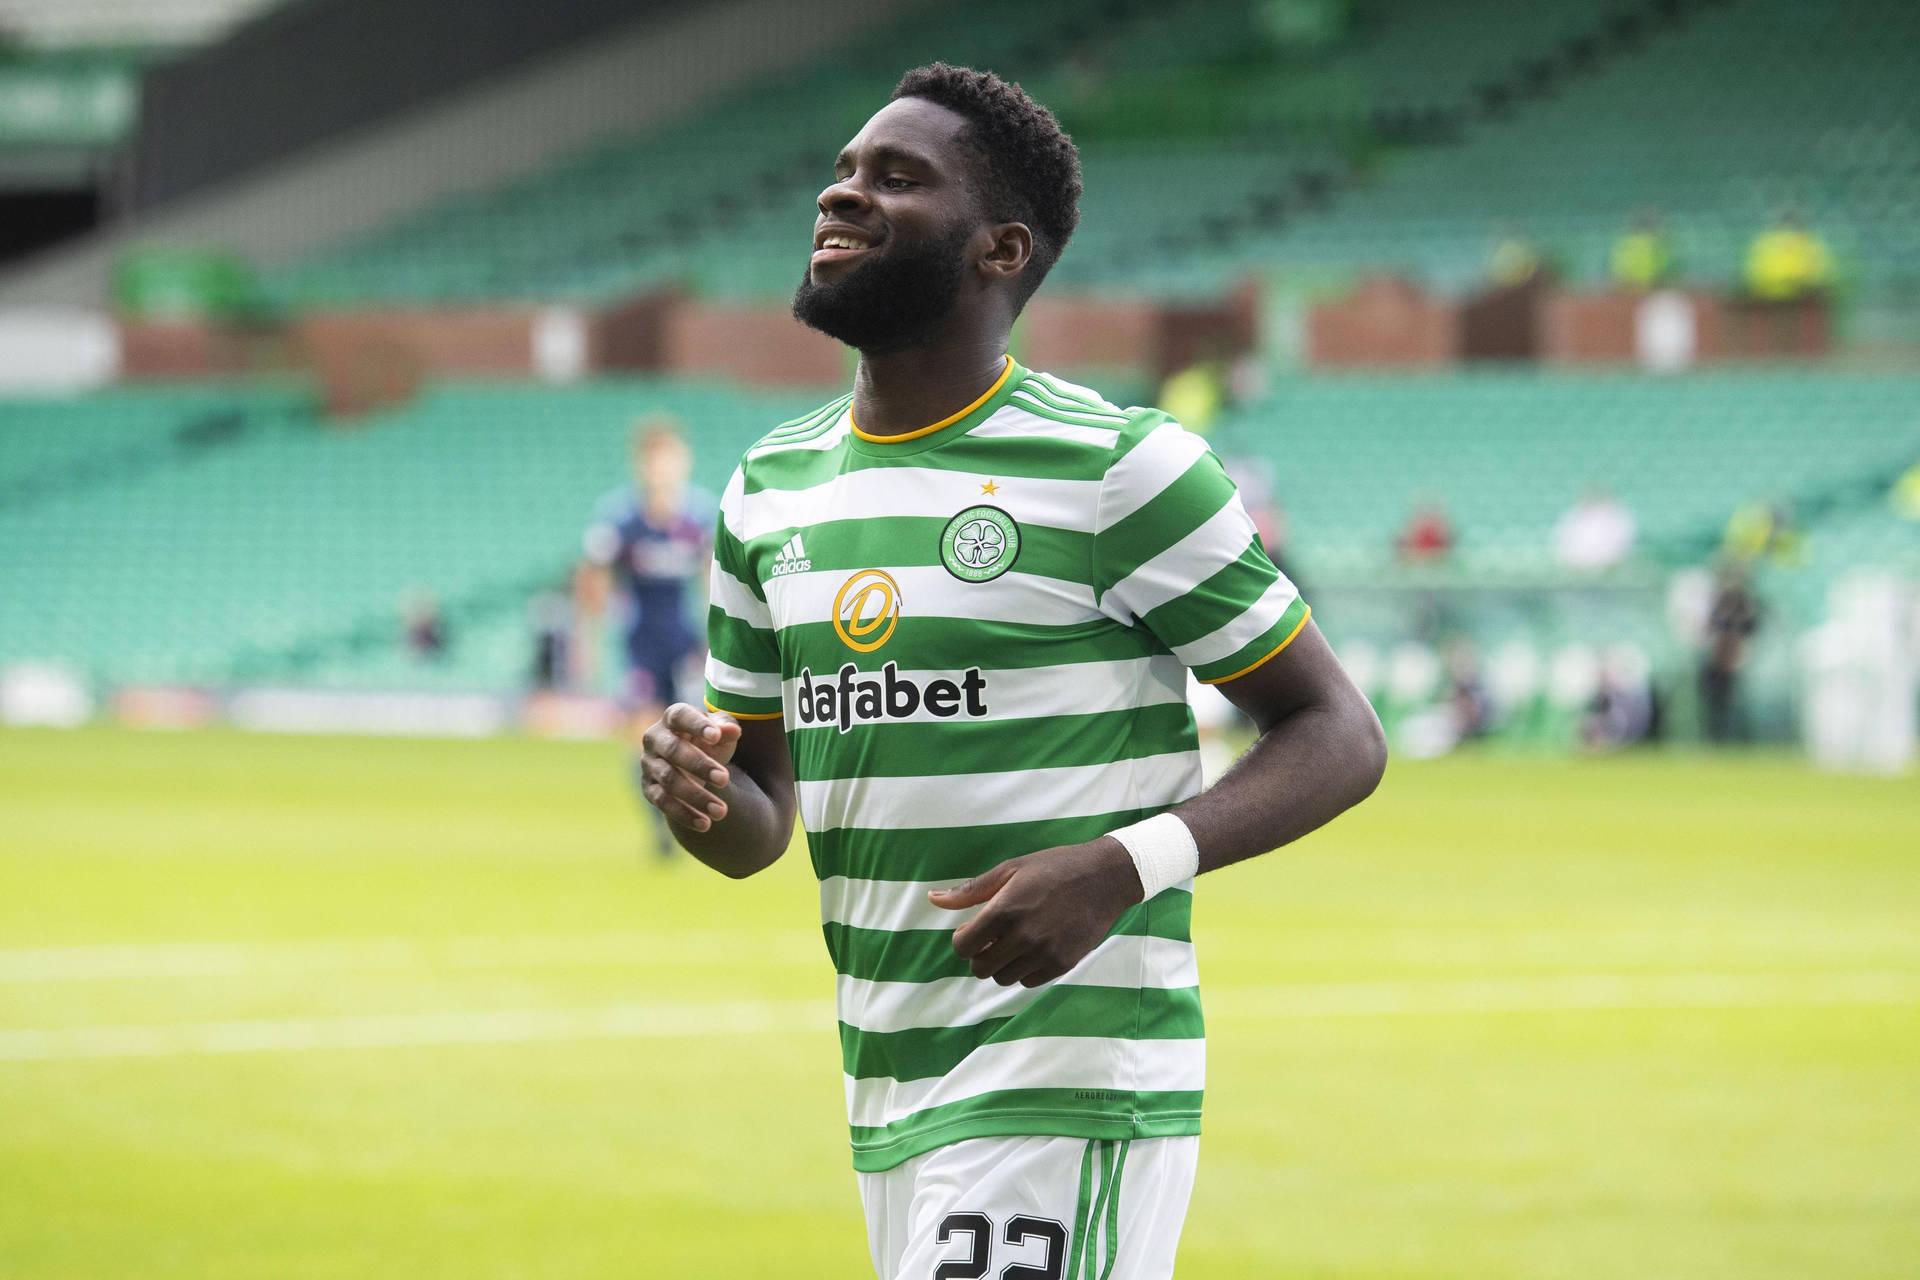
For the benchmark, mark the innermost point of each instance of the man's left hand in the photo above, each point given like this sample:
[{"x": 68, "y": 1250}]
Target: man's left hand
[{"x": 1044, "y": 911}]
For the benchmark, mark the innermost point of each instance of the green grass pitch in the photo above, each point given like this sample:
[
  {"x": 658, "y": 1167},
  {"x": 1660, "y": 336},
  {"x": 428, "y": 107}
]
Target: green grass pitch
[{"x": 275, "y": 1007}]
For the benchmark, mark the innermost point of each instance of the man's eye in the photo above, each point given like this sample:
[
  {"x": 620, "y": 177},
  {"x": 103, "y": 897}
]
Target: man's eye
[{"x": 898, "y": 183}]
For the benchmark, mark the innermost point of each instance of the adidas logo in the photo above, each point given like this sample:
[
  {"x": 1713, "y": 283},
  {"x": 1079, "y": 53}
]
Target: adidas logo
[{"x": 791, "y": 558}]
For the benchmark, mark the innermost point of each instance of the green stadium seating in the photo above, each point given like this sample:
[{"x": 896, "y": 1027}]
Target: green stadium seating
[
  {"x": 720, "y": 200},
  {"x": 1749, "y": 108},
  {"x": 1165, "y": 98},
  {"x": 53, "y": 445},
  {"x": 1509, "y": 451},
  {"x": 294, "y": 546},
  {"x": 284, "y": 555},
  {"x": 1209, "y": 152}
]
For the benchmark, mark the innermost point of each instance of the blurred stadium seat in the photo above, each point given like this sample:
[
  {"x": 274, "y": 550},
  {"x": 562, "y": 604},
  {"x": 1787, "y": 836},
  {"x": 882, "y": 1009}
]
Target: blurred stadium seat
[
  {"x": 1433, "y": 125},
  {"x": 214, "y": 534},
  {"x": 219, "y": 533},
  {"x": 281, "y": 553}
]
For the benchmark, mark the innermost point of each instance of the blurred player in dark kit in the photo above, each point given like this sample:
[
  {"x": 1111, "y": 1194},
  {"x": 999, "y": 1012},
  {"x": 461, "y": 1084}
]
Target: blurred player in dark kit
[{"x": 648, "y": 544}]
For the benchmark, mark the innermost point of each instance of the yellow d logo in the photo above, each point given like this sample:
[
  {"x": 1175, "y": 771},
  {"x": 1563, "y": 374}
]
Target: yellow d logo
[{"x": 865, "y": 610}]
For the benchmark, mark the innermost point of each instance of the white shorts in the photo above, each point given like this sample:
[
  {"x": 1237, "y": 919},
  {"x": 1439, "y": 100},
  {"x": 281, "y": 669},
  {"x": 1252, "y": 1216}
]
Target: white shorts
[{"x": 1048, "y": 1208}]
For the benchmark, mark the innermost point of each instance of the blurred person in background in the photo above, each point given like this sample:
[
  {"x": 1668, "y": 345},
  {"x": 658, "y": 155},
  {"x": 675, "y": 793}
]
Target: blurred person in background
[
  {"x": 550, "y": 619},
  {"x": 1597, "y": 532},
  {"x": 1760, "y": 530},
  {"x": 645, "y": 550},
  {"x": 1622, "y": 711},
  {"x": 1195, "y": 395},
  {"x": 1428, "y": 534},
  {"x": 1788, "y": 261},
  {"x": 1731, "y": 622},
  {"x": 1643, "y": 258},
  {"x": 422, "y": 625},
  {"x": 1515, "y": 260},
  {"x": 1905, "y": 494},
  {"x": 1468, "y": 705}
]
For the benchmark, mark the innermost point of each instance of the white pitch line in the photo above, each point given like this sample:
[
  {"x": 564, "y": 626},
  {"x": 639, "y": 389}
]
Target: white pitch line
[
  {"x": 387, "y": 1031},
  {"x": 1569, "y": 993},
  {"x": 635, "y": 948},
  {"x": 342, "y": 955},
  {"x": 1590, "y": 992}
]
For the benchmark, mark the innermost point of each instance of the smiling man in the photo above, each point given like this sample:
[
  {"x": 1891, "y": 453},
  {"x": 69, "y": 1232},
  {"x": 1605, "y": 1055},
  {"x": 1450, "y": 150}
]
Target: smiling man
[{"x": 953, "y": 614}]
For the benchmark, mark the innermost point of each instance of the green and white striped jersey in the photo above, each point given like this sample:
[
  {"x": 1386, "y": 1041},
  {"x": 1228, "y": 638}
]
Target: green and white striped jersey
[{"x": 977, "y": 635}]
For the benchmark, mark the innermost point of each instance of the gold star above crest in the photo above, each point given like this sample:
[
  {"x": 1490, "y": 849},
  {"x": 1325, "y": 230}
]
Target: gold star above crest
[{"x": 989, "y": 488}]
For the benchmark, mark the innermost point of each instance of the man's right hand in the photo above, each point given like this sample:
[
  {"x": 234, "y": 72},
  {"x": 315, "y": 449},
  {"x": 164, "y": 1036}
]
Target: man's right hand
[{"x": 683, "y": 764}]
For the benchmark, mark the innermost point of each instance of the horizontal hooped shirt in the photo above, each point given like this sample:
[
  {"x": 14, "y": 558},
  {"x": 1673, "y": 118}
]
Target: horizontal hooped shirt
[{"x": 977, "y": 638}]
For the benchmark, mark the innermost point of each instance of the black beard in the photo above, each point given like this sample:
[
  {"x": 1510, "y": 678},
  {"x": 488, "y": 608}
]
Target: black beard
[{"x": 890, "y": 303}]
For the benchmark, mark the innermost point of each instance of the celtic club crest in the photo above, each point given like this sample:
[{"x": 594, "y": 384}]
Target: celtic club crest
[{"x": 979, "y": 544}]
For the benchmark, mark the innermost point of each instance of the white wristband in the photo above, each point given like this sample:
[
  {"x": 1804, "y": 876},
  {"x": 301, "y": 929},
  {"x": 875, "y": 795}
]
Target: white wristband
[{"x": 1162, "y": 850}]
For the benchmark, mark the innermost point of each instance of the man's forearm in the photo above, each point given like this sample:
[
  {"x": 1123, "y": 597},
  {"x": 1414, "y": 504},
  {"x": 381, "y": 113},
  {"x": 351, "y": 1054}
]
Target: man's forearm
[
  {"x": 1045, "y": 911},
  {"x": 753, "y": 833},
  {"x": 1303, "y": 772}
]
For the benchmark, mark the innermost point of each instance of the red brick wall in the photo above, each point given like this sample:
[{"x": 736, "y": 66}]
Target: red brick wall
[
  {"x": 761, "y": 344},
  {"x": 1386, "y": 321}
]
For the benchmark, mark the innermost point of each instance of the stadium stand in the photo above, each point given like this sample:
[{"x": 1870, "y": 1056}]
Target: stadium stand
[
  {"x": 1721, "y": 123},
  {"x": 55, "y": 446},
  {"x": 143, "y": 24},
  {"x": 605, "y": 224},
  {"x": 292, "y": 546},
  {"x": 1386, "y": 149},
  {"x": 283, "y": 554},
  {"x": 1508, "y": 452},
  {"x": 254, "y": 544},
  {"x": 1156, "y": 114}
]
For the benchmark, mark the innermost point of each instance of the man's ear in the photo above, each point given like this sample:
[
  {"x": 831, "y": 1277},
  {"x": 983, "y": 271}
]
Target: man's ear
[{"x": 1011, "y": 247}]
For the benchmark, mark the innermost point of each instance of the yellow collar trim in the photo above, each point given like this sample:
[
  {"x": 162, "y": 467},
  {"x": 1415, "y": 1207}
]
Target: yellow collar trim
[{"x": 947, "y": 421}]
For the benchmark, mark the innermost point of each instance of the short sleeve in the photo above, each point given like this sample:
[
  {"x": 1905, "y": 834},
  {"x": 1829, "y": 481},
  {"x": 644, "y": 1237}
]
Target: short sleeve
[
  {"x": 1176, "y": 552},
  {"x": 743, "y": 658}
]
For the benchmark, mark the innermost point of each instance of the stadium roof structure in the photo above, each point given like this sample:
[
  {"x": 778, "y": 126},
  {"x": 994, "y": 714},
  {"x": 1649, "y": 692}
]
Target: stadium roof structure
[{"x": 81, "y": 24}]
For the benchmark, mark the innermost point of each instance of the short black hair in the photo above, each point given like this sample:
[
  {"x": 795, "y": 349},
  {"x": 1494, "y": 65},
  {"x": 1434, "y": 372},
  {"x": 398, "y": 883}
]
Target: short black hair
[{"x": 1033, "y": 167}]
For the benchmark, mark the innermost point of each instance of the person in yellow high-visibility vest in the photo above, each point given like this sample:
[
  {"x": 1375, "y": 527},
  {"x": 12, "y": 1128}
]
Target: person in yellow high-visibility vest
[
  {"x": 1515, "y": 260},
  {"x": 1643, "y": 257},
  {"x": 1788, "y": 261}
]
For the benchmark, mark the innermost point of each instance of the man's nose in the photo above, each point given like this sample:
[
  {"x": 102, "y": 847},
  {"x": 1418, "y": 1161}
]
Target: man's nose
[{"x": 842, "y": 196}]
